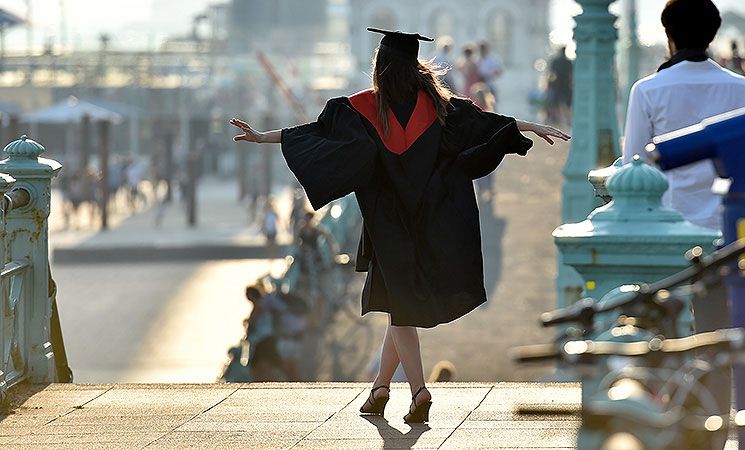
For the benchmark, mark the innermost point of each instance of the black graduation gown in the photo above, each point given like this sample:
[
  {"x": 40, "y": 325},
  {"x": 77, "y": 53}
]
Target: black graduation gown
[{"x": 421, "y": 241}]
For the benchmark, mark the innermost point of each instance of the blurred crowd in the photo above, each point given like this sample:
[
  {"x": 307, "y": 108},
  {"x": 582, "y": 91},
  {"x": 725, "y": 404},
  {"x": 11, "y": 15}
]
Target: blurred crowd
[
  {"x": 476, "y": 71},
  {"x": 281, "y": 318},
  {"x": 274, "y": 335},
  {"x": 129, "y": 190},
  {"x": 473, "y": 74}
]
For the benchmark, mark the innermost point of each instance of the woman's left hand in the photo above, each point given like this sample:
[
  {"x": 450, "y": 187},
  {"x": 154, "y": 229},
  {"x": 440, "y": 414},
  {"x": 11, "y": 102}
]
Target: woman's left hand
[{"x": 546, "y": 132}]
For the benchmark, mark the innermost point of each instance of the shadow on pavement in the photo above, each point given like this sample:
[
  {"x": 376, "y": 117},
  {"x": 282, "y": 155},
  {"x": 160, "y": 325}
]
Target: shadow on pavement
[
  {"x": 392, "y": 437},
  {"x": 17, "y": 396}
]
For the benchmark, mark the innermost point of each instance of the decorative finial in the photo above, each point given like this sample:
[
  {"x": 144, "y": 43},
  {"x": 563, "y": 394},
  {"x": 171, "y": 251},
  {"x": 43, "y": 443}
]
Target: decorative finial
[
  {"x": 637, "y": 179},
  {"x": 24, "y": 148}
]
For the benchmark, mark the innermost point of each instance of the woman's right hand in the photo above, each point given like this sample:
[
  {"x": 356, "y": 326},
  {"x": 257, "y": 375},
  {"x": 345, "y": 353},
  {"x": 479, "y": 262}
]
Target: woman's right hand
[{"x": 249, "y": 134}]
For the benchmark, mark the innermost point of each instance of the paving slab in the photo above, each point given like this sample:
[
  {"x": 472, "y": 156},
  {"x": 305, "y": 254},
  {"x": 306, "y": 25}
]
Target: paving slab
[
  {"x": 61, "y": 400},
  {"x": 115, "y": 440},
  {"x": 422, "y": 442},
  {"x": 512, "y": 438},
  {"x": 90, "y": 421},
  {"x": 247, "y": 424},
  {"x": 172, "y": 399},
  {"x": 225, "y": 440}
]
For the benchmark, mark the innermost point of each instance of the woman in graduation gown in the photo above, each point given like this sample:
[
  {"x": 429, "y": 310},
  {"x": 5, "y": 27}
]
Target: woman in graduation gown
[{"x": 409, "y": 150}]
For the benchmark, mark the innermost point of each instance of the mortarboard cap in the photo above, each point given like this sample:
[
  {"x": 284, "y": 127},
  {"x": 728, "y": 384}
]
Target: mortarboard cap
[{"x": 403, "y": 44}]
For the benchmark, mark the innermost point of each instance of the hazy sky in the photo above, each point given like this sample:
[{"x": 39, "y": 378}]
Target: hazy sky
[
  {"x": 650, "y": 30},
  {"x": 143, "y": 23}
]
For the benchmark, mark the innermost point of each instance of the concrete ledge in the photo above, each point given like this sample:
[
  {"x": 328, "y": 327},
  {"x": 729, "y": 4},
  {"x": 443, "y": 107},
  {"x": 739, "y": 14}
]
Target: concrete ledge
[{"x": 152, "y": 253}]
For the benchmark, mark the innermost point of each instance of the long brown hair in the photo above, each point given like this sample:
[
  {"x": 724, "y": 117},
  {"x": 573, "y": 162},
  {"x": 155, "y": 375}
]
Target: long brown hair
[{"x": 397, "y": 78}]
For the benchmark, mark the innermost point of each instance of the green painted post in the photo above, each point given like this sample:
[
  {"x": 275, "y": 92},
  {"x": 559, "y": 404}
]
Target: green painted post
[
  {"x": 7, "y": 325},
  {"x": 595, "y": 125},
  {"x": 27, "y": 238},
  {"x": 629, "y": 52},
  {"x": 633, "y": 239}
]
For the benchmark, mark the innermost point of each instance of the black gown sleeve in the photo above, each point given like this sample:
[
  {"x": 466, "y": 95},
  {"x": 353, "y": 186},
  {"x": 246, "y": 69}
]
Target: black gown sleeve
[
  {"x": 331, "y": 157},
  {"x": 480, "y": 140}
]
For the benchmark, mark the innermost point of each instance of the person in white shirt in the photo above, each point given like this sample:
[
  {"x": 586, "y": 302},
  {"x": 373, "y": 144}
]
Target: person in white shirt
[{"x": 686, "y": 89}]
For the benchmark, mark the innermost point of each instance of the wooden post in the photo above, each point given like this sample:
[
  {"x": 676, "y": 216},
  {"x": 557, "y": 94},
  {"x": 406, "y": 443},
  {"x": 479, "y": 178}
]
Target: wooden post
[
  {"x": 268, "y": 153},
  {"x": 103, "y": 156},
  {"x": 85, "y": 141},
  {"x": 242, "y": 178},
  {"x": 193, "y": 167},
  {"x": 168, "y": 166}
]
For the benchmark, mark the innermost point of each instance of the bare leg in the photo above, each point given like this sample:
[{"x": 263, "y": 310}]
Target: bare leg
[
  {"x": 388, "y": 364},
  {"x": 406, "y": 340}
]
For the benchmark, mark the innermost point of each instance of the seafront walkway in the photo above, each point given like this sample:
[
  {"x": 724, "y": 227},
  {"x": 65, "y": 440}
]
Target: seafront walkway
[
  {"x": 283, "y": 415},
  {"x": 288, "y": 415}
]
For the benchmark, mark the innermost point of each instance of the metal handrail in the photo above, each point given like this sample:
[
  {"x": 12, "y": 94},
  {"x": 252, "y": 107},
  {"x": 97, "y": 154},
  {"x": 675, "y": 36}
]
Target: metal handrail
[
  {"x": 14, "y": 267},
  {"x": 17, "y": 198}
]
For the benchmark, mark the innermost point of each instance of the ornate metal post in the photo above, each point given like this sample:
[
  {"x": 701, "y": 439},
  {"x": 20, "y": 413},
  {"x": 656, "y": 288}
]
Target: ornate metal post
[
  {"x": 28, "y": 239},
  {"x": 628, "y": 52},
  {"x": 595, "y": 124}
]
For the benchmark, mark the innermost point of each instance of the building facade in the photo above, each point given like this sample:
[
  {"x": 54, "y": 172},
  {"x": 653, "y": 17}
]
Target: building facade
[
  {"x": 517, "y": 31},
  {"x": 290, "y": 26}
]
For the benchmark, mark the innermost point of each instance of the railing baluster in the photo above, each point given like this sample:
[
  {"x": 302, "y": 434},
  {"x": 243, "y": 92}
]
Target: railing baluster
[{"x": 25, "y": 273}]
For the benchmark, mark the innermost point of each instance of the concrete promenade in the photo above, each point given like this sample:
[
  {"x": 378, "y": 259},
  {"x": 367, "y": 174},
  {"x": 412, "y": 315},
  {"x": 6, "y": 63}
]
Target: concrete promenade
[
  {"x": 288, "y": 416},
  {"x": 297, "y": 416}
]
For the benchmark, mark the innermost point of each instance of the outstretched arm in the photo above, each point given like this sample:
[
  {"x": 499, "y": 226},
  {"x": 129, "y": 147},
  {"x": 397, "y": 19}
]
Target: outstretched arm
[
  {"x": 251, "y": 135},
  {"x": 544, "y": 131}
]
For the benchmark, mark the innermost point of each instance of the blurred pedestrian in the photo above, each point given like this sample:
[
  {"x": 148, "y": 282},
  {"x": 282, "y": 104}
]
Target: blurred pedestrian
[
  {"x": 260, "y": 321},
  {"x": 299, "y": 209},
  {"x": 736, "y": 63},
  {"x": 483, "y": 98},
  {"x": 235, "y": 371},
  {"x": 266, "y": 363},
  {"x": 444, "y": 62},
  {"x": 308, "y": 239},
  {"x": 559, "y": 90},
  {"x": 490, "y": 69},
  {"x": 135, "y": 176},
  {"x": 469, "y": 69},
  {"x": 270, "y": 223},
  {"x": 315, "y": 260},
  {"x": 290, "y": 313},
  {"x": 282, "y": 317}
]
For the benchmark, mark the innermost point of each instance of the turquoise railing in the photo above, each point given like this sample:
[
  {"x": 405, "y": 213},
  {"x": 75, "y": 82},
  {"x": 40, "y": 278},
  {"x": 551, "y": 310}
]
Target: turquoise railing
[{"x": 25, "y": 301}]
